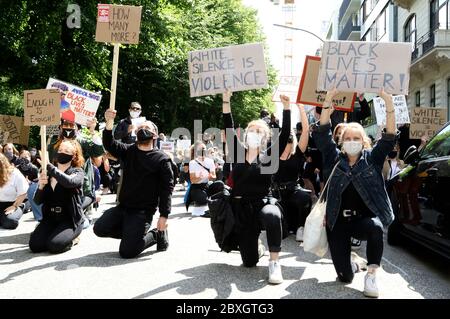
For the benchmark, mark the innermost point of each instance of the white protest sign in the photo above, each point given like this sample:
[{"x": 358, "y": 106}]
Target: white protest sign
[
  {"x": 167, "y": 146},
  {"x": 53, "y": 130},
  {"x": 77, "y": 104},
  {"x": 400, "y": 106},
  {"x": 288, "y": 86},
  {"x": 183, "y": 144},
  {"x": 136, "y": 122},
  {"x": 359, "y": 66},
  {"x": 237, "y": 68}
]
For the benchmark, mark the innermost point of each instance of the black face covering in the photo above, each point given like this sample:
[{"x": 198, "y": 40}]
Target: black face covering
[
  {"x": 68, "y": 132},
  {"x": 144, "y": 135},
  {"x": 392, "y": 154},
  {"x": 63, "y": 158}
]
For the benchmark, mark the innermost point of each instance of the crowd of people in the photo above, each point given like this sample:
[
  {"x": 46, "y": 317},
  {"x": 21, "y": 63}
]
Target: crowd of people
[{"x": 128, "y": 159}]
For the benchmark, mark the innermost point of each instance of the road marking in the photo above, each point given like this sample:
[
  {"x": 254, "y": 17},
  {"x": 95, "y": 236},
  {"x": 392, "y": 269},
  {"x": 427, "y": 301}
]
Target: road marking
[{"x": 395, "y": 266}]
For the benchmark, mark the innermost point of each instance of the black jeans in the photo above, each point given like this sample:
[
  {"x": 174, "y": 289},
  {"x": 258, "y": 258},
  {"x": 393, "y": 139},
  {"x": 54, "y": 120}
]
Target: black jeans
[
  {"x": 362, "y": 228},
  {"x": 268, "y": 217},
  {"x": 129, "y": 226},
  {"x": 296, "y": 207},
  {"x": 10, "y": 221},
  {"x": 53, "y": 236},
  {"x": 198, "y": 194}
]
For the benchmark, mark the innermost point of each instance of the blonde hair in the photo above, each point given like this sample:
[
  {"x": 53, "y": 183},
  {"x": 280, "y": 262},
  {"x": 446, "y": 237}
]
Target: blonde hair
[
  {"x": 260, "y": 124},
  {"x": 357, "y": 127},
  {"x": 6, "y": 170}
]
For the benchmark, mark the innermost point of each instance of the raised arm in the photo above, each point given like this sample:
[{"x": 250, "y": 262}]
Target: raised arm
[
  {"x": 229, "y": 126},
  {"x": 388, "y": 139},
  {"x": 115, "y": 148},
  {"x": 286, "y": 128},
  {"x": 74, "y": 180},
  {"x": 304, "y": 137}
]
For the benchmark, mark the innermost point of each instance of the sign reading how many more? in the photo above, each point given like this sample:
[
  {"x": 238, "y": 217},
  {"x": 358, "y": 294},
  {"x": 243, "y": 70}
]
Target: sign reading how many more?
[{"x": 237, "y": 68}]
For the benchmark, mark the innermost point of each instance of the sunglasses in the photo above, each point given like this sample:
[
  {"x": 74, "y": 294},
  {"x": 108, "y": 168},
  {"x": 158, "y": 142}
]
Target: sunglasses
[{"x": 135, "y": 109}]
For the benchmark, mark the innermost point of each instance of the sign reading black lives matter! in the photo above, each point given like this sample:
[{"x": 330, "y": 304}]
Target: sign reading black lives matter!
[
  {"x": 118, "y": 24},
  {"x": 237, "y": 68},
  {"x": 355, "y": 66}
]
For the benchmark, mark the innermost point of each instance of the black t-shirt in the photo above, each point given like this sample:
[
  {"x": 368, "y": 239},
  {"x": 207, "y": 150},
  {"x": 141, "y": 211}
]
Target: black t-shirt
[
  {"x": 249, "y": 182},
  {"x": 352, "y": 200},
  {"x": 290, "y": 169}
]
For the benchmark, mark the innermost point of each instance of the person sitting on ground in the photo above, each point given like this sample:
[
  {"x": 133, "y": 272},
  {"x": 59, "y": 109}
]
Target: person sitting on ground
[{"x": 59, "y": 192}]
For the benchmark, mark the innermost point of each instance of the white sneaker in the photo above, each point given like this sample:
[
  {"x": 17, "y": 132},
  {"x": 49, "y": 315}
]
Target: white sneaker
[
  {"x": 370, "y": 286},
  {"x": 261, "y": 248},
  {"x": 358, "y": 263},
  {"x": 299, "y": 235},
  {"x": 275, "y": 276}
]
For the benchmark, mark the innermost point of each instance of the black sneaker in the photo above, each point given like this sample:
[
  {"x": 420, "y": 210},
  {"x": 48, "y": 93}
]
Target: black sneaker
[
  {"x": 162, "y": 240},
  {"x": 206, "y": 214}
]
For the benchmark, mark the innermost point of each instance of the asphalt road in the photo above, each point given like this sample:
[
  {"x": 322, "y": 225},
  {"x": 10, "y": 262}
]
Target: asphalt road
[{"x": 193, "y": 267}]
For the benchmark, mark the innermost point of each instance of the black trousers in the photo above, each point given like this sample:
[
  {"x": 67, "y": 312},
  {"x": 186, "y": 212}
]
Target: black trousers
[
  {"x": 267, "y": 217},
  {"x": 296, "y": 207},
  {"x": 53, "y": 236},
  {"x": 198, "y": 194},
  {"x": 129, "y": 226},
  {"x": 362, "y": 228}
]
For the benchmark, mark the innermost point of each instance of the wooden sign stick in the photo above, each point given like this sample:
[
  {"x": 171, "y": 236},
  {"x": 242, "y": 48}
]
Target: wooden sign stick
[
  {"x": 112, "y": 101},
  {"x": 44, "y": 148}
]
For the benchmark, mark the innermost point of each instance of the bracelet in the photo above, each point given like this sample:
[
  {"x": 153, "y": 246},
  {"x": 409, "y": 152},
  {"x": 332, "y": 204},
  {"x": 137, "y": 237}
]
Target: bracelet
[
  {"x": 326, "y": 108},
  {"x": 226, "y": 102},
  {"x": 393, "y": 111}
]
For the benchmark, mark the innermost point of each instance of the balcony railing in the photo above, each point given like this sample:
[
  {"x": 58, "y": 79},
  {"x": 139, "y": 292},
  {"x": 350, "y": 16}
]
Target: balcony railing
[
  {"x": 415, "y": 54},
  {"x": 348, "y": 28},
  {"x": 343, "y": 8}
]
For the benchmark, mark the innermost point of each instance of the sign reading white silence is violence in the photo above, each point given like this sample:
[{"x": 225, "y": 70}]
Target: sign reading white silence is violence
[
  {"x": 237, "y": 68},
  {"x": 355, "y": 66}
]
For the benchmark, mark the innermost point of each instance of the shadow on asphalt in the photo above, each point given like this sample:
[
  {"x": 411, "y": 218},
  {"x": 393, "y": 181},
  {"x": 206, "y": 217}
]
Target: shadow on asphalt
[{"x": 108, "y": 259}]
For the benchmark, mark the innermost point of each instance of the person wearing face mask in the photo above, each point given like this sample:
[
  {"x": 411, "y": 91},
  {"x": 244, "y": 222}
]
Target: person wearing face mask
[
  {"x": 34, "y": 157},
  {"x": 148, "y": 184},
  {"x": 59, "y": 193},
  {"x": 124, "y": 130},
  {"x": 252, "y": 203},
  {"x": 357, "y": 204},
  {"x": 25, "y": 166},
  {"x": 201, "y": 171},
  {"x": 295, "y": 200},
  {"x": 11, "y": 153},
  {"x": 13, "y": 191}
]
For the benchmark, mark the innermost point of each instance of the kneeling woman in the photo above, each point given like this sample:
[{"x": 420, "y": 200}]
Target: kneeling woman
[
  {"x": 357, "y": 203},
  {"x": 253, "y": 206},
  {"x": 60, "y": 194}
]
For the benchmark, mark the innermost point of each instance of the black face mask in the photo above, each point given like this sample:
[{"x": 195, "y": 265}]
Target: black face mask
[
  {"x": 392, "y": 154},
  {"x": 63, "y": 158},
  {"x": 144, "y": 135},
  {"x": 68, "y": 132}
]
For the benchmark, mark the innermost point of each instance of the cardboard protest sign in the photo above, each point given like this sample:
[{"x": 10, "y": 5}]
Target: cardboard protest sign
[
  {"x": 17, "y": 132},
  {"x": 308, "y": 93},
  {"x": 288, "y": 86},
  {"x": 167, "y": 146},
  {"x": 41, "y": 107},
  {"x": 400, "y": 106},
  {"x": 426, "y": 121},
  {"x": 359, "y": 66},
  {"x": 77, "y": 104},
  {"x": 183, "y": 144},
  {"x": 237, "y": 68},
  {"x": 118, "y": 24},
  {"x": 4, "y": 135}
]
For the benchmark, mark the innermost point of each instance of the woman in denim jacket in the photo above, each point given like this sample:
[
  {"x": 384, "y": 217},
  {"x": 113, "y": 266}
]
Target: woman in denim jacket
[{"x": 357, "y": 203}]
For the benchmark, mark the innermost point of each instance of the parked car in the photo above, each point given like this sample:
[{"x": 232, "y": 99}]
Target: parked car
[{"x": 420, "y": 196}]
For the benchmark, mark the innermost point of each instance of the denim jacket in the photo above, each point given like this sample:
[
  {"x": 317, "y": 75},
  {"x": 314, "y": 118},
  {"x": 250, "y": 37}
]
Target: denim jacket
[{"x": 366, "y": 175}]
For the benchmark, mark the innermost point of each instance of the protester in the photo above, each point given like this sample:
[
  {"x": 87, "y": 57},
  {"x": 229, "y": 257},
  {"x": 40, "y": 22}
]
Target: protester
[
  {"x": 11, "y": 153},
  {"x": 59, "y": 192},
  {"x": 295, "y": 200},
  {"x": 125, "y": 130},
  {"x": 357, "y": 203},
  {"x": 147, "y": 184},
  {"x": 252, "y": 202},
  {"x": 201, "y": 170},
  {"x": 26, "y": 167},
  {"x": 13, "y": 191}
]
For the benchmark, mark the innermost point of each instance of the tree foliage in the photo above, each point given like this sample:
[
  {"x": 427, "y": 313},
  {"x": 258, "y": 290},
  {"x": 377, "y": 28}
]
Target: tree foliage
[{"x": 37, "y": 44}]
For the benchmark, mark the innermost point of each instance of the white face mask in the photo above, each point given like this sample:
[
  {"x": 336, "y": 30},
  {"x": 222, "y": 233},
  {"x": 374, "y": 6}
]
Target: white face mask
[
  {"x": 135, "y": 114},
  {"x": 352, "y": 148},
  {"x": 253, "y": 140}
]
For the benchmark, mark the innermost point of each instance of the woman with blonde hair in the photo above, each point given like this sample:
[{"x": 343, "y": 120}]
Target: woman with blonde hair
[
  {"x": 357, "y": 204},
  {"x": 60, "y": 193},
  {"x": 252, "y": 202},
  {"x": 13, "y": 191}
]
